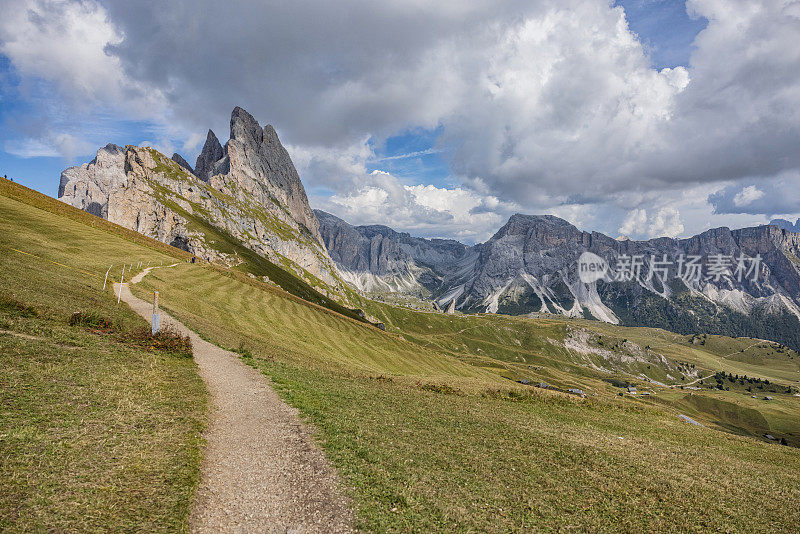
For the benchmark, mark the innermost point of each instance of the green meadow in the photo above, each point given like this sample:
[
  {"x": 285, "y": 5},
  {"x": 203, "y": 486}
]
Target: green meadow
[{"x": 427, "y": 423}]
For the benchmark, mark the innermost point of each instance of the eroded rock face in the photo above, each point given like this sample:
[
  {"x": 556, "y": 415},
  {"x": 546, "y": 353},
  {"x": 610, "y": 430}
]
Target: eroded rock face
[
  {"x": 257, "y": 199},
  {"x": 88, "y": 187},
  {"x": 531, "y": 266},
  {"x": 177, "y": 158},
  {"x": 376, "y": 258},
  {"x": 786, "y": 225},
  {"x": 260, "y": 164},
  {"x": 538, "y": 255}
]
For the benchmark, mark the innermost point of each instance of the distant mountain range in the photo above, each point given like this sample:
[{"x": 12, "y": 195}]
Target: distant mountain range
[
  {"x": 247, "y": 194},
  {"x": 786, "y": 225},
  {"x": 737, "y": 282}
]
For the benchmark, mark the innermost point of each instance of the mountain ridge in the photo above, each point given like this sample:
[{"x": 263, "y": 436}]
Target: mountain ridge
[
  {"x": 247, "y": 189},
  {"x": 530, "y": 265}
]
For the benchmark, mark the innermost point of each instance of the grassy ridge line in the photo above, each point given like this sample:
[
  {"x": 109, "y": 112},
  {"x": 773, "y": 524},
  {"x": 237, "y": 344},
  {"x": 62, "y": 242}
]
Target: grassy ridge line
[{"x": 43, "y": 202}]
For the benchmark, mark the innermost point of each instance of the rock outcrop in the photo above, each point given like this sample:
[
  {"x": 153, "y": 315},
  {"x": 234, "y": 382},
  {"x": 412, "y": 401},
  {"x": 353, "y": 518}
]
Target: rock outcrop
[
  {"x": 89, "y": 186},
  {"x": 209, "y": 158},
  {"x": 375, "y": 258},
  {"x": 177, "y": 158},
  {"x": 786, "y": 225},
  {"x": 248, "y": 190}
]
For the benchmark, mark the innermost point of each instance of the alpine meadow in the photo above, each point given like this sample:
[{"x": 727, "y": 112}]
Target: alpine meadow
[{"x": 494, "y": 267}]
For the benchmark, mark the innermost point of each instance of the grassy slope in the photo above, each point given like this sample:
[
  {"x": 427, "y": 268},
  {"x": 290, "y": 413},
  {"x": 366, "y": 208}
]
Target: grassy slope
[
  {"x": 518, "y": 348},
  {"x": 218, "y": 239},
  {"x": 420, "y": 460},
  {"x": 95, "y": 433},
  {"x": 253, "y": 263},
  {"x": 489, "y": 458}
]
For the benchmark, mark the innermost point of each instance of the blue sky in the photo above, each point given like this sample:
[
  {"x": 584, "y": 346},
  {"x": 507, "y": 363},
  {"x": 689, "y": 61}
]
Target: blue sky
[
  {"x": 453, "y": 115},
  {"x": 665, "y": 28}
]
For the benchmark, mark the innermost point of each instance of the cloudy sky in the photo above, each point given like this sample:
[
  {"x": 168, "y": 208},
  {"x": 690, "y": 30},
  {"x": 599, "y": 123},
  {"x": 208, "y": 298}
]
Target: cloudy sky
[{"x": 636, "y": 117}]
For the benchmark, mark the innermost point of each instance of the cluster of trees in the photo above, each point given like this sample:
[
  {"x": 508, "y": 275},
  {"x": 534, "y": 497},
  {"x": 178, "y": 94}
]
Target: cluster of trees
[{"x": 747, "y": 382}]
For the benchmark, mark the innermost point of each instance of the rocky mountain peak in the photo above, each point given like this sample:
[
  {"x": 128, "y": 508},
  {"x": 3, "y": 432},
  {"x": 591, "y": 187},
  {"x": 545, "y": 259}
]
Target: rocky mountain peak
[
  {"x": 786, "y": 225},
  {"x": 248, "y": 188},
  {"x": 212, "y": 152},
  {"x": 258, "y": 160},
  {"x": 99, "y": 176},
  {"x": 245, "y": 128},
  {"x": 177, "y": 158},
  {"x": 538, "y": 231}
]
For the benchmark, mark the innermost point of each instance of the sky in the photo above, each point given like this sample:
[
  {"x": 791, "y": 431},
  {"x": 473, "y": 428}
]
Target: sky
[{"x": 642, "y": 118}]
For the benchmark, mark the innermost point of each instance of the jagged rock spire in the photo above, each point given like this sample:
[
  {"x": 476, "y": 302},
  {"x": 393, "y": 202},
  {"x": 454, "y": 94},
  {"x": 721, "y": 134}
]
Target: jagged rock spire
[
  {"x": 212, "y": 152},
  {"x": 257, "y": 154},
  {"x": 177, "y": 158}
]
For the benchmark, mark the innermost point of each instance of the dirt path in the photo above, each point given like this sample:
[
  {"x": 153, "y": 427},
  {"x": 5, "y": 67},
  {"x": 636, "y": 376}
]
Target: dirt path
[{"x": 261, "y": 471}]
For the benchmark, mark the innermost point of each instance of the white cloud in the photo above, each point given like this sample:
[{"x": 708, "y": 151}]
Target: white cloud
[
  {"x": 423, "y": 210},
  {"x": 550, "y": 105},
  {"x": 747, "y": 196},
  {"x": 67, "y": 41},
  {"x": 666, "y": 223},
  {"x": 50, "y": 145},
  {"x": 634, "y": 223},
  {"x": 59, "y": 51},
  {"x": 30, "y": 148}
]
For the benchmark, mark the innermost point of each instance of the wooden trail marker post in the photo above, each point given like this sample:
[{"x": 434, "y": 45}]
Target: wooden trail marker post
[{"x": 156, "y": 323}]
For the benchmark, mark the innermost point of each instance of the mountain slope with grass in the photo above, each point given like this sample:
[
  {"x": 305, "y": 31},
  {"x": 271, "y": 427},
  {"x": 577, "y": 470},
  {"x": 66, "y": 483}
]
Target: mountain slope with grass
[
  {"x": 248, "y": 191},
  {"x": 99, "y": 423},
  {"x": 433, "y": 425}
]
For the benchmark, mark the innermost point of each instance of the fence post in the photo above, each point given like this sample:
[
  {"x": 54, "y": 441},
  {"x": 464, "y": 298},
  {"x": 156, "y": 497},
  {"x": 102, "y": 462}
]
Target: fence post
[
  {"x": 121, "y": 278},
  {"x": 156, "y": 323},
  {"x": 106, "y": 278}
]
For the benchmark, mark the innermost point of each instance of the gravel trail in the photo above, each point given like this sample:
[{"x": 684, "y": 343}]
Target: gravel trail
[{"x": 261, "y": 470}]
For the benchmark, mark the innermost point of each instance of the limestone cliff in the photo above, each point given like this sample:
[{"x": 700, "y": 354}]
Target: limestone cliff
[{"x": 247, "y": 190}]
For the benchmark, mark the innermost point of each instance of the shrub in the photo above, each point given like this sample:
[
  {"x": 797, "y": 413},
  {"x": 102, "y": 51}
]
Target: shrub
[
  {"x": 91, "y": 320},
  {"x": 243, "y": 350},
  {"x": 166, "y": 340}
]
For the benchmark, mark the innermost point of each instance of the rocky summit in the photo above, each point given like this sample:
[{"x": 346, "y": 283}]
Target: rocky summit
[
  {"x": 735, "y": 282},
  {"x": 376, "y": 258},
  {"x": 247, "y": 191}
]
